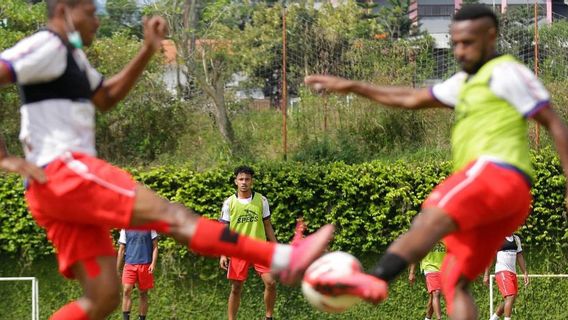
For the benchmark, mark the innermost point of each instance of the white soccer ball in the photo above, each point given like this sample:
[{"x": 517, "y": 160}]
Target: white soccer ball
[{"x": 334, "y": 264}]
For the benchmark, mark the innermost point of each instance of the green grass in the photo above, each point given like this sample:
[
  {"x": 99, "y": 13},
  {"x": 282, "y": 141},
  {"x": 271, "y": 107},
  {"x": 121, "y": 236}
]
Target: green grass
[{"x": 194, "y": 288}]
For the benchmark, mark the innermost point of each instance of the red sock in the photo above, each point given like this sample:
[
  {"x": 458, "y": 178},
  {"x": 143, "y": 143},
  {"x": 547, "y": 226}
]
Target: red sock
[
  {"x": 212, "y": 238},
  {"x": 70, "y": 311}
]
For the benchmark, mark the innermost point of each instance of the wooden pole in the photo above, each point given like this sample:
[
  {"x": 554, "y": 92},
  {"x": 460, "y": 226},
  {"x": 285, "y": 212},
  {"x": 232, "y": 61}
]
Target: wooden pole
[{"x": 284, "y": 101}]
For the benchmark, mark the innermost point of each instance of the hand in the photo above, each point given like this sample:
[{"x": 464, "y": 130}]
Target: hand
[
  {"x": 320, "y": 83},
  {"x": 486, "y": 279},
  {"x": 155, "y": 30},
  {"x": 411, "y": 278},
  {"x": 151, "y": 268},
  {"x": 224, "y": 262},
  {"x": 526, "y": 278},
  {"x": 26, "y": 169}
]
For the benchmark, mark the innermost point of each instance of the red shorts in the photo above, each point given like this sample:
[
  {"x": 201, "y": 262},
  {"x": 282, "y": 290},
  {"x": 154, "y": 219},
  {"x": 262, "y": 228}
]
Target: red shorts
[
  {"x": 507, "y": 283},
  {"x": 83, "y": 198},
  {"x": 138, "y": 273},
  {"x": 488, "y": 202},
  {"x": 433, "y": 281},
  {"x": 238, "y": 269}
]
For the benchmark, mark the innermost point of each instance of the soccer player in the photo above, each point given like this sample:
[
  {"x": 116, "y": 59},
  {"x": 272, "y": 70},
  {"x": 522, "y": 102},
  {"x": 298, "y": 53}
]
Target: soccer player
[
  {"x": 138, "y": 250},
  {"x": 431, "y": 265},
  {"x": 247, "y": 213},
  {"x": 488, "y": 195},
  {"x": 506, "y": 275},
  {"x": 76, "y": 197}
]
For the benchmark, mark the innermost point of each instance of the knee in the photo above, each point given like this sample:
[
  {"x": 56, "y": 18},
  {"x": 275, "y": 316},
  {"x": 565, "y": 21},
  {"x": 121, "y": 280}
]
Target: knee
[
  {"x": 270, "y": 285},
  {"x": 236, "y": 288},
  {"x": 144, "y": 295},
  {"x": 436, "y": 294},
  {"x": 127, "y": 291},
  {"x": 105, "y": 301}
]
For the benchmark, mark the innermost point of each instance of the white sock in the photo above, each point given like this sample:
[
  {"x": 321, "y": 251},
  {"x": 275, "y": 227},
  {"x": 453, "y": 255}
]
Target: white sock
[
  {"x": 427, "y": 318},
  {"x": 281, "y": 257},
  {"x": 507, "y": 318},
  {"x": 494, "y": 317}
]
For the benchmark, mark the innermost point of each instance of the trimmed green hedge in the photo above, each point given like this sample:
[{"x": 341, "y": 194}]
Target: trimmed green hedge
[{"x": 369, "y": 203}]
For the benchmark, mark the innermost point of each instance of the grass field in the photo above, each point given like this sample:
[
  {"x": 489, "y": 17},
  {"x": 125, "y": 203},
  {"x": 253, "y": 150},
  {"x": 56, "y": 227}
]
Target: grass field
[{"x": 194, "y": 288}]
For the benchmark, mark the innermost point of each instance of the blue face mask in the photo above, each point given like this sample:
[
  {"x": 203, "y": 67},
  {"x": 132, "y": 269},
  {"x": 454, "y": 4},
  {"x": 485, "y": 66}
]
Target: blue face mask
[
  {"x": 73, "y": 36},
  {"x": 75, "y": 40}
]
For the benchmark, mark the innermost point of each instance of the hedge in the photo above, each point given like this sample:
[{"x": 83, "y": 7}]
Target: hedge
[{"x": 370, "y": 203}]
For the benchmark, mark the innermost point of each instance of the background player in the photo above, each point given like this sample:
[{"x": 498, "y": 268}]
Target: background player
[
  {"x": 138, "y": 250},
  {"x": 247, "y": 213},
  {"x": 506, "y": 275},
  {"x": 431, "y": 265}
]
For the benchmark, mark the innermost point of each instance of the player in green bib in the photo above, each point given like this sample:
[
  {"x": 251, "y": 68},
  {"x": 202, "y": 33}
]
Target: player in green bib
[
  {"x": 488, "y": 195},
  {"x": 431, "y": 265},
  {"x": 247, "y": 213}
]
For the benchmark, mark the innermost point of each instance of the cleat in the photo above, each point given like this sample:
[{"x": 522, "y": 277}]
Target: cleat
[
  {"x": 362, "y": 285},
  {"x": 304, "y": 252}
]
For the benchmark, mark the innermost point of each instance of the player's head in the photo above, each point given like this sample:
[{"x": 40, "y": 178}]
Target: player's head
[
  {"x": 75, "y": 15},
  {"x": 243, "y": 178},
  {"x": 473, "y": 33}
]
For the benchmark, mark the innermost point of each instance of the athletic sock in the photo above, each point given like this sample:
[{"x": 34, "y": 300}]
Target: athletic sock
[
  {"x": 141, "y": 317},
  {"x": 427, "y": 318},
  {"x": 507, "y": 318},
  {"x": 389, "y": 266},
  {"x": 494, "y": 317},
  {"x": 212, "y": 238},
  {"x": 125, "y": 315},
  {"x": 70, "y": 311}
]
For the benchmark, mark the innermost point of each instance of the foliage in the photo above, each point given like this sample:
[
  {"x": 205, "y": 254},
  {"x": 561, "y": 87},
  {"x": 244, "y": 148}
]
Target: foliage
[
  {"x": 370, "y": 203},
  {"x": 121, "y": 16}
]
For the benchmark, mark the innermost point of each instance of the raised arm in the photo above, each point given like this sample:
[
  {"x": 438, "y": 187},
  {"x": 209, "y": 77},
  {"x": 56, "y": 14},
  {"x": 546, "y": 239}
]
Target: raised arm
[
  {"x": 18, "y": 165},
  {"x": 398, "y": 97},
  {"x": 559, "y": 132},
  {"x": 116, "y": 88}
]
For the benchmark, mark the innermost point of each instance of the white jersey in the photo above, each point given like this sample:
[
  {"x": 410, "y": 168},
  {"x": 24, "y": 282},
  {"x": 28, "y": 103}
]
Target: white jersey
[
  {"x": 56, "y": 83},
  {"x": 511, "y": 81},
  {"x": 507, "y": 255}
]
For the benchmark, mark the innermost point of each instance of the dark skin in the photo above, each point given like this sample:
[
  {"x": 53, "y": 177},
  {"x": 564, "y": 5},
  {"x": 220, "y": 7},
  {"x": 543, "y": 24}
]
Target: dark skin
[{"x": 474, "y": 43}]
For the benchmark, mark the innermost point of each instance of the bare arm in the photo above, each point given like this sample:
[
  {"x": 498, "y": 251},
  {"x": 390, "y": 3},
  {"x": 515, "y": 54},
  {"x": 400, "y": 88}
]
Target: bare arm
[
  {"x": 116, "y": 88},
  {"x": 486, "y": 273},
  {"x": 154, "y": 255},
  {"x": 398, "y": 97},
  {"x": 120, "y": 257},
  {"x": 411, "y": 275},
  {"x": 5, "y": 75},
  {"x": 270, "y": 236},
  {"x": 559, "y": 132},
  {"x": 523, "y": 266},
  {"x": 18, "y": 165}
]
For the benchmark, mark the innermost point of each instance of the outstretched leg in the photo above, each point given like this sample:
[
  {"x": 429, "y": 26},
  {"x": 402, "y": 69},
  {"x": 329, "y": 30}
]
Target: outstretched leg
[
  {"x": 101, "y": 291},
  {"x": 211, "y": 238}
]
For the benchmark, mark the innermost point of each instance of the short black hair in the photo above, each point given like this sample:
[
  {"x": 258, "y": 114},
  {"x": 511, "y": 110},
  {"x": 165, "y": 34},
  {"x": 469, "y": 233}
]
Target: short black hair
[
  {"x": 52, "y": 3},
  {"x": 244, "y": 169},
  {"x": 474, "y": 12}
]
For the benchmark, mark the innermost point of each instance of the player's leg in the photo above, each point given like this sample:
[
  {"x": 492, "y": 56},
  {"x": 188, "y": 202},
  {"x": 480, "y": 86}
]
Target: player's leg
[
  {"x": 235, "y": 299},
  {"x": 436, "y": 306},
  {"x": 500, "y": 309},
  {"x": 463, "y": 303},
  {"x": 126, "y": 300},
  {"x": 508, "y": 305},
  {"x": 429, "y": 308},
  {"x": 212, "y": 238},
  {"x": 269, "y": 293},
  {"x": 143, "y": 307},
  {"x": 145, "y": 283},
  {"x": 101, "y": 291}
]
